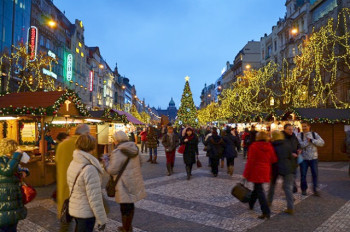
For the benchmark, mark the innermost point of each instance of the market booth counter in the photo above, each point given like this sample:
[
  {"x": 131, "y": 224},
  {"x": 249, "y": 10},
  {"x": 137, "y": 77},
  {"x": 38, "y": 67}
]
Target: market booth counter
[{"x": 27, "y": 116}]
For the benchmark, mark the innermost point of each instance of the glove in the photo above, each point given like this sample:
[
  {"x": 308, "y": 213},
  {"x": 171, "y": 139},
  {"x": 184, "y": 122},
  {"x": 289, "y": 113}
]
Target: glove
[{"x": 101, "y": 227}]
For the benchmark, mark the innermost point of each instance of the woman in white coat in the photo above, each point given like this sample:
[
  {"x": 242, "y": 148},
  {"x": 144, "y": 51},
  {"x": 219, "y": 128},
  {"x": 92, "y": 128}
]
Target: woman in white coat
[
  {"x": 86, "y": 204},
  {"x": 130, "y": 187}
]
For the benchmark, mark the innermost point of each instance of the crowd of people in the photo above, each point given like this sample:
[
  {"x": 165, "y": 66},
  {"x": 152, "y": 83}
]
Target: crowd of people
[{"x": 79, "y": 172}]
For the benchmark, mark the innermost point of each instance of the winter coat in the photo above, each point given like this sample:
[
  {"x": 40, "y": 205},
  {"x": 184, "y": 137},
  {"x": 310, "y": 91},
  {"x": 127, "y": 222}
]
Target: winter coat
[
  {"x": 152, "y": 139},
  {"x": 168, "y": 145},
  {"x": 285, "y": 161},
  {"x": 260, "y": 157},
  {"x": 143, "y": 135},
  {"x": 215, "y": 146},
  {"x": 293, "y": 141},
  {"x": 64, "y": 156},
  {"x": 191, "y": 150},
  {"x": 11, "y": 206},
  {"x": 310, "y": 148},
  {"x": 86, "y": 200},
  {"x": 130, "y": 187},
  {"x": 232, "y": 145}
]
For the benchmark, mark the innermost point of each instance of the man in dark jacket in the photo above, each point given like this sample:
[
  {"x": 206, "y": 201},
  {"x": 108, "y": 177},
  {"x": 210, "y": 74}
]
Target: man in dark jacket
[
  {"x": 216, "y": 147},
  {"x": 284, "y": 167},
  {"x": 293, "y": 142},
  {"x": 232, "y": 145}
]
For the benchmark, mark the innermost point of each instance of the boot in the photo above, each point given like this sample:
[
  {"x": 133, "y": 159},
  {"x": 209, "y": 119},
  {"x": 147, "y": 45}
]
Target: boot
[
  {"x": 150, "y": 159},
  {"x": 168, "y": 167},
  {"x": 127, "y": 223},
  {"x": 222, "y": 163},
  {"x": 172, "y": 168},
  {"x": 230, "y": 170},
  {"x": 155, "y": 160},
  {"x": 188, "y": 171}
]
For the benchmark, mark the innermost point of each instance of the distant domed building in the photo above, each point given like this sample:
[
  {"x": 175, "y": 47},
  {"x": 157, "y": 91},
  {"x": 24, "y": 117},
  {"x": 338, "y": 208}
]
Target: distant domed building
[{"x": 171, "y": 112}]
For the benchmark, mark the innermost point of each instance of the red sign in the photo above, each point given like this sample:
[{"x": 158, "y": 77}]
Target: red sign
[
  {"x": 91, "y": 81},
  {"x": 32, "y": 42}
]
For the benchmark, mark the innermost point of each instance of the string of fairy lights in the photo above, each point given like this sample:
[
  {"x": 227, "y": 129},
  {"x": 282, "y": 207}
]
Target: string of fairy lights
[
  {"x": 28, "y": 71},
  {"x": 309, "y": 82}
]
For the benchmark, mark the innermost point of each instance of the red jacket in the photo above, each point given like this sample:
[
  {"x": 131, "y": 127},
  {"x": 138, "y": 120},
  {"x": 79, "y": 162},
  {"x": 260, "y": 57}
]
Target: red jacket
[
  {"x": 260, "y": 157},
  {"x": 243, "y": 137},
  {"x": 143, "y": 135}
]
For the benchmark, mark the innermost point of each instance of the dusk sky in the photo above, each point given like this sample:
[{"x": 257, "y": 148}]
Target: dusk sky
[{"x": 158, "y": 42}]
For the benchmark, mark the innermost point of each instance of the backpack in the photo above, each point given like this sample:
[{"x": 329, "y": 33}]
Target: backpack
[{"x": 302, "y": 135}]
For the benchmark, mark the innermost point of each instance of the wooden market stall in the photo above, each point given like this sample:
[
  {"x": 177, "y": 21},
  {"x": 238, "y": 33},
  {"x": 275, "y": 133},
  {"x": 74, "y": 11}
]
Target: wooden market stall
[{"x": 27, "y": 116}]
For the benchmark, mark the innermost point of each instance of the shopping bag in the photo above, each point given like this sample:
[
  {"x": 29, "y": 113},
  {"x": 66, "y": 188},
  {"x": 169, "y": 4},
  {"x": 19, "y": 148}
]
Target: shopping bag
[
  {"x": 241, "y": 192},
  {"x": 199, "y": 164},
  {"x": 181, "y": 149},
  {"x": 28, "y": 193}
]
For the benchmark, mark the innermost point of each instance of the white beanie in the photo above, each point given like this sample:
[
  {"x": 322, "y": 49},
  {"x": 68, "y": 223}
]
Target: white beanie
[
  {"x": 82, "y": 129},
  {"x": 120, "y": 136}
]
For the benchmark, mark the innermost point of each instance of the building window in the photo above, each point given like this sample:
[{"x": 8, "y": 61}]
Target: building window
[
  {"x": 82, "y": 54},
  {"x": 77, "y": 50},
  {"x": 79, "y": 44},
  {"x": 323, "y": 9}
]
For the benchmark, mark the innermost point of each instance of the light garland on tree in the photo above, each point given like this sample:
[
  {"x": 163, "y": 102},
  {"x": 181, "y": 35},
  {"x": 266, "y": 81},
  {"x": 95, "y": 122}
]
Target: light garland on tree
[{"x": 30, "y": 72}]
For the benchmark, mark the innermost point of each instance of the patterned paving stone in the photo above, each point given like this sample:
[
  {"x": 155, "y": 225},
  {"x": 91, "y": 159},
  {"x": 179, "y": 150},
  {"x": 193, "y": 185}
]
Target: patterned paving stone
[{"x": 338, "y": 222}]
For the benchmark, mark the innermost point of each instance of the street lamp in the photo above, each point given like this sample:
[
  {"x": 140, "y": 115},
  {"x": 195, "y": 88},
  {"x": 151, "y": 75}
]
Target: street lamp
[
  {"x": 51, "y": 23},
  {"x": 294, "y": 31},
  {"x": 248, "y": 66},
  {"x": 101, "y": 66}
]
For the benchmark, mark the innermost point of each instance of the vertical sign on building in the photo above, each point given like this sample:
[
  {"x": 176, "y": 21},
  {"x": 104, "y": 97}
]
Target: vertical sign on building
[
  {"x": 104, "y": 90},
  {"x": 91, "y": 82},
  {"x": 69, "y": 67},
  {"x": 32, "y": 42}
]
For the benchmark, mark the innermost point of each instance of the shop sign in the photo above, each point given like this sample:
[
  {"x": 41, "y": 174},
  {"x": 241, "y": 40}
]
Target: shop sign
[
  {"x": 49, "y": 73},
  {"x": 91, "y": 83},
  {"x": 51, "y": 54},
  {"x": 32, "y": 42},
  {"x": 69, "y": 67}
]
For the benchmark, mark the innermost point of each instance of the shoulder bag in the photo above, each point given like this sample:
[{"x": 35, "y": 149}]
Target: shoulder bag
[
  {"x": 110, "y": 187},
  {"x": 65, "y": 217}
]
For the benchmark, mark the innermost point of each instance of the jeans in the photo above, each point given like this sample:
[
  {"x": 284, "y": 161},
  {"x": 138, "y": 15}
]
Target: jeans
[
  {"x": 85, "y": 224},
  {"x": 143, "y": 146},
  {"x": 287, "y": 188},
  {"x": 258, "y": 193},
  {"x": 170, "y": 157},
  {"x": 9, "y": 228},
  {"x": 245, "y": 151},
  {"x": 313, "y": 164},
  {"x": 153, "y": 150},
  {"x": 214, "y": 162}
]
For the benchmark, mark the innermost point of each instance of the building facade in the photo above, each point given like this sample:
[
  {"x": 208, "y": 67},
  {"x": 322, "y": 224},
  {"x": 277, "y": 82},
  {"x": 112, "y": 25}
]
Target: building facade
[{"x": 170, "y": 112}]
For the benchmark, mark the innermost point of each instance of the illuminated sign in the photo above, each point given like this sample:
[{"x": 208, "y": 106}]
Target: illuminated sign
[
  {"x": 32, "y": 42},
  {"x": 49, "y": 73},
  {"x": 69, "y": 67},
  {"x": 91, "y": 83},
  {"x": 104, "y": 90},
  {"x": 50, "y": 53}
]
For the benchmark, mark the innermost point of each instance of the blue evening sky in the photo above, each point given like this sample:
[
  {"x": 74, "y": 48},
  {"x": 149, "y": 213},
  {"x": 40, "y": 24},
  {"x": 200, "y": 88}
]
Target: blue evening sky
[{"x": 158, "y": 42}]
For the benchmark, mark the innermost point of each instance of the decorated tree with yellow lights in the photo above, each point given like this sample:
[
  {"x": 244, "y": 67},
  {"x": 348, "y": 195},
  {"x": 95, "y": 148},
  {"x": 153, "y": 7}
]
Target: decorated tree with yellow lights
[
  {"x": 27, "y": 74},
  {"x": 209, "y": 113},
  {"x": 187, "y": 114}
]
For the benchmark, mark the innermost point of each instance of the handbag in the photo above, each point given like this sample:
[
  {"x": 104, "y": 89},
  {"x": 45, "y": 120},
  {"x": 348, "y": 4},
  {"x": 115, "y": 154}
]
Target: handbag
[
  {"x": 181, "y": 149},
  {"x": 65, "y": 216},
  {"x": 199, "y": 164},
  {"x": 110, "y": 186},
  {"x": 28, "y": 193},
  {"x": 242, "y": 193}
]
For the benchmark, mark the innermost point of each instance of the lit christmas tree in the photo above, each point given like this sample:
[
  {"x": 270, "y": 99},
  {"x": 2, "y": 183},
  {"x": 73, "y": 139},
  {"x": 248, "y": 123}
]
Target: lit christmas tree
[{"x": 187, "y": 114}]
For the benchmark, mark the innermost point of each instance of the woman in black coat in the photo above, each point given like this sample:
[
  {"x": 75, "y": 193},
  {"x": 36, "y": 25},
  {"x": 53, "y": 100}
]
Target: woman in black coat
[
  {"x": 284, "y": 167},
  {"x": 191, "y": 150},
  {"x": 232, "y": 145},
  {"x": 215, "y": 145}
]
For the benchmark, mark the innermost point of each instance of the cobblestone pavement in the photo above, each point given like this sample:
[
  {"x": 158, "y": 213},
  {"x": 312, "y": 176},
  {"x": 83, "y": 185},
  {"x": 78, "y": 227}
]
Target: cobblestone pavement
[{"x": 204, "y": 203}]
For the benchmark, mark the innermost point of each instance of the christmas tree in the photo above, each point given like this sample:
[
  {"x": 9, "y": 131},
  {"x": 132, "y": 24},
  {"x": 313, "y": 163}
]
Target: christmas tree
[{"x": 187, "y": 114}]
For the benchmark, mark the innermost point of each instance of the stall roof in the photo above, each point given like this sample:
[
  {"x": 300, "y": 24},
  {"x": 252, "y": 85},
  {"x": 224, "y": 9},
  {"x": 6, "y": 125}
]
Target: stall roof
[
  {"x": 328, "y": 113},
  {"x": 42, "y": 103},
  {"x": 111, "y": 115},
  {"x": 130, "y": 118},
  {"x": 30, "y": 99}
]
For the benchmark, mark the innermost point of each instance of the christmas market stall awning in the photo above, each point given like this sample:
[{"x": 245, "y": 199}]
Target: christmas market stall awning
[
  {"x": 320, "y": 115},
  {"x": 54, "y": 103},
  {"x": 130, "y": 118},
  {"x": 109, "y": 115}
]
